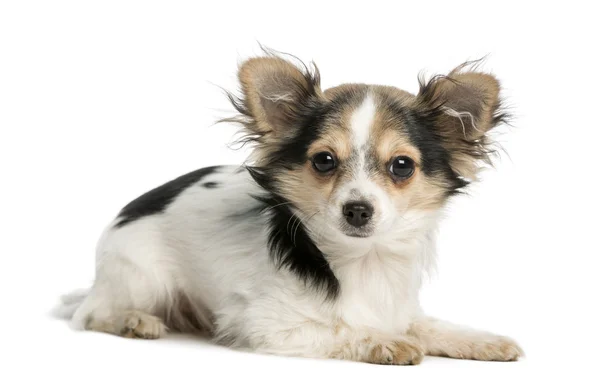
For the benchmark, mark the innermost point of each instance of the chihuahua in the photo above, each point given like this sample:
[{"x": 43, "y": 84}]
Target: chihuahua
[{"x": 318, "y": 245}]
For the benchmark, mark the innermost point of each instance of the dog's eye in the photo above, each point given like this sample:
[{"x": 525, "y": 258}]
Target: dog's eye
[
  {"x": 324, "y": 162},
  {"x": 402, "y": 167}
]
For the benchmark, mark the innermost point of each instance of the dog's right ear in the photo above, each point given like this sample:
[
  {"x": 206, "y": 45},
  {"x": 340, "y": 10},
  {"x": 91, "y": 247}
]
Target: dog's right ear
[{"x": 276, "y": 94}]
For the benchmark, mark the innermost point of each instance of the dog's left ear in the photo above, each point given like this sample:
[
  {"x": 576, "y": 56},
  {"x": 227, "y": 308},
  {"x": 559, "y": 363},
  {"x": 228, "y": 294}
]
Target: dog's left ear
[{"x": 462, "y": 108}]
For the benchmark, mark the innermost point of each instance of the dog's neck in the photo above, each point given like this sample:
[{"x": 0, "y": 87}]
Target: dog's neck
[
  {"x": 380, "y": 282},
  {"x": 380, "y": 277}
]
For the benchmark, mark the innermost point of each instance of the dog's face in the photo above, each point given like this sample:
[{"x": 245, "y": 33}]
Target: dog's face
[{"x": 359, "y": 160}]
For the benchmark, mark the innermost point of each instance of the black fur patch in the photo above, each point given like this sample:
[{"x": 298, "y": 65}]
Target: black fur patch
[
  {"x": 290, "y": 245},
  {"x": 435, "y": 158},
  {"x": 157, "y": 200},
  {"x": 309, "y": 127},
  {"x": 422, "y": 133},
  {"x": 210, "y": 185}
]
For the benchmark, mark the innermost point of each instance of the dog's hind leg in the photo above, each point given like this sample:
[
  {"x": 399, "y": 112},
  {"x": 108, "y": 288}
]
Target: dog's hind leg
[
  {"x": 134, "y": 287},
  {"x": 127, "y": 309},
  {"x": 133, "y": 324}
]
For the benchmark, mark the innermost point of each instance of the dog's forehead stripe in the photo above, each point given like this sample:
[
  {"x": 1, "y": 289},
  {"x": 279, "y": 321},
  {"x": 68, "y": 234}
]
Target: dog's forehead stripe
[{"x": 361, "y": 122}]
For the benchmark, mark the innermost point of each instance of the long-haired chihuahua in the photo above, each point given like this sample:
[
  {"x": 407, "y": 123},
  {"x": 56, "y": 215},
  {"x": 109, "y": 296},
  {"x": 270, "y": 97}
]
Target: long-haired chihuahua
[{"x": 318, "y": 245}]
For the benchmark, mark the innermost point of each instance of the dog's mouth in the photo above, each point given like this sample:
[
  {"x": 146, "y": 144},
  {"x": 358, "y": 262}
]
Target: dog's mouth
[
  {"x": 362, "y": 232},
  {"x": 358, "y": 235}
]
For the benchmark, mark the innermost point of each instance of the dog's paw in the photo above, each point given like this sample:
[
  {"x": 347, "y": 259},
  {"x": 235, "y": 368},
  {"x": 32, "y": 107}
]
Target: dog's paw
[
  {"x": 496, "y": 348},
  {"x": 401, "y": 352},
  {"x": 499, "y": 349},
  {"x": 139, "y": 325}
]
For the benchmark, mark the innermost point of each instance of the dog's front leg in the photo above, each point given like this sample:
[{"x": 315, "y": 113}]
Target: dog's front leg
[
  {"x": 344, "y": 344},
  {"x": 440, "y": 338},
  {"x": 373, "y": 350}
]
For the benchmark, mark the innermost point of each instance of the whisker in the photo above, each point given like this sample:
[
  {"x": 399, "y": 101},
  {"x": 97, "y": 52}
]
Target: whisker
[{"x": 298, "y": 226}]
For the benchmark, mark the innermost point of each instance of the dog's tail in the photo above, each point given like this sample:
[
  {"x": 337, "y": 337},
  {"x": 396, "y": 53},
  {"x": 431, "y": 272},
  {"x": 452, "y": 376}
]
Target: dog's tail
[{"x": 69, "y": 303}]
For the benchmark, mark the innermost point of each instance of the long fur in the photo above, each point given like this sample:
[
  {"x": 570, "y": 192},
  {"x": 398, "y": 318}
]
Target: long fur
[{"x": 268, "y": 257}]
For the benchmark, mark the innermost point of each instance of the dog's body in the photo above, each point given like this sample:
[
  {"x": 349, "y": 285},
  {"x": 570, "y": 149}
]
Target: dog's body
[{"x": 317, "y": 250}]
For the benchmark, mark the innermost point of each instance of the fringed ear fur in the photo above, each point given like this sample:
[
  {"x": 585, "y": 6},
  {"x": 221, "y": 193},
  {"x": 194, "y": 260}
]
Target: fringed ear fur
[
  {"x": 275, "y": 95},
  {"x": 463, "y": 107}
]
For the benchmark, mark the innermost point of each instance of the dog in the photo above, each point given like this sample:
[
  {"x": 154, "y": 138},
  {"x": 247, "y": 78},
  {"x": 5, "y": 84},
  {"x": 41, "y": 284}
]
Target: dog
[{"x": 318, "y": 245}]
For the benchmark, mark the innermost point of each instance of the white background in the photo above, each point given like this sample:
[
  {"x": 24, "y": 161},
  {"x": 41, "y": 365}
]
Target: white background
[{"x": 102, "y": 101}]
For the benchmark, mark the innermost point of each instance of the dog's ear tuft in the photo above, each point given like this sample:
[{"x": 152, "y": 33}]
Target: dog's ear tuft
[
  {"x": 462, "y": 108},
  {"x": 276, "y": 93}
]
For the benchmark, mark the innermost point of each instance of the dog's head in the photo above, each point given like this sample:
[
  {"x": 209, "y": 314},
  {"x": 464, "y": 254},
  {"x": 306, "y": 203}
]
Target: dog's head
[{"x": 357, "y": 161}]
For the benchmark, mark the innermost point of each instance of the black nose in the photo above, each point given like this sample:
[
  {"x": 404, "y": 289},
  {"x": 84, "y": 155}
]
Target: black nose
[{"x": 358, "y": 213}]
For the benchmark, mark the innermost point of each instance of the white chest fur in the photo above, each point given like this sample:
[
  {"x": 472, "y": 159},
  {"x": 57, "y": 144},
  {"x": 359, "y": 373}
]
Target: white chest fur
[{"x": 378, "y": 290}]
